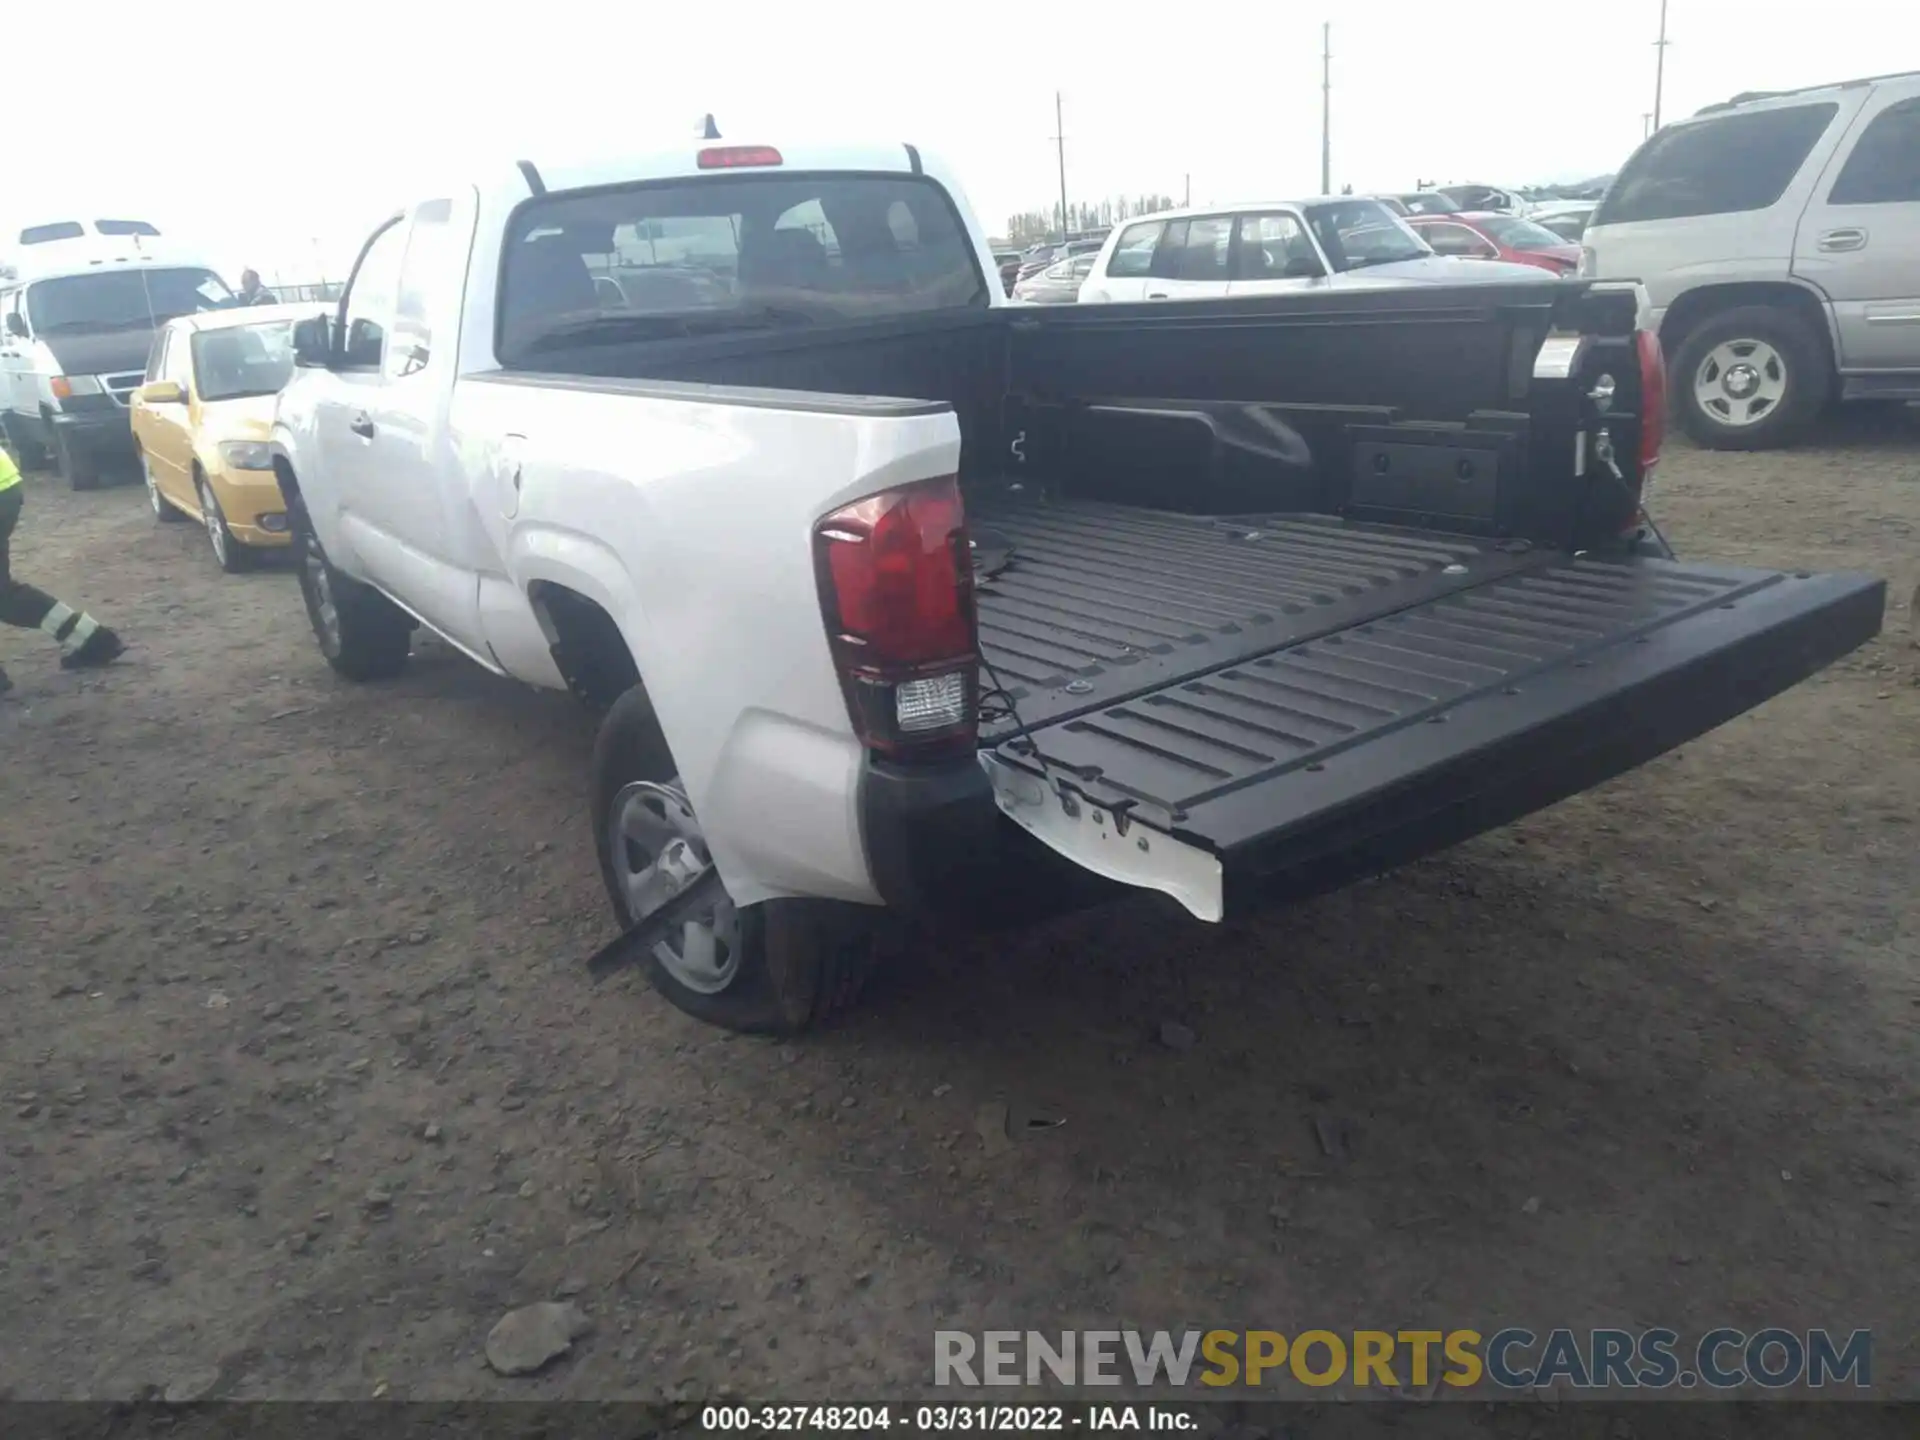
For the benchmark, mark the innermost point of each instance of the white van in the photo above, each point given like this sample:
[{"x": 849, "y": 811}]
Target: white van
[
  {"x": 77, "y": 320},
  {"x": 1778, "y": 237},
  {"x": 57, "y": 231},
  {"x": 1333, "y": 243}
]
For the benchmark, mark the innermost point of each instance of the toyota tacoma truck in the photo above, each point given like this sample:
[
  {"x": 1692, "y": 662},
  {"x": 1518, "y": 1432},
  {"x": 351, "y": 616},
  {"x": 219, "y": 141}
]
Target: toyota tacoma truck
[{"x": 901, "y": 598}]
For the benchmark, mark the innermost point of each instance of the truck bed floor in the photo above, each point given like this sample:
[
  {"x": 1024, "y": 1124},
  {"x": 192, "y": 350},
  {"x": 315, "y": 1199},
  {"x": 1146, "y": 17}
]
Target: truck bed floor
[{"x": 1096, "y": 602}]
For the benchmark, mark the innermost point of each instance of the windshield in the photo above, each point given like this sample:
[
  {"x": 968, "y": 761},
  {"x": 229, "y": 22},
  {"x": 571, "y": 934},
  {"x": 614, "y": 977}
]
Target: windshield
[
  {"x": 140, "y": 299},
  {"x": 237, "y": 361},
  {"x": 1358, "y": 233},
  {"x": 1518, "y": 234},
  {"x": 765, "y": 251}
]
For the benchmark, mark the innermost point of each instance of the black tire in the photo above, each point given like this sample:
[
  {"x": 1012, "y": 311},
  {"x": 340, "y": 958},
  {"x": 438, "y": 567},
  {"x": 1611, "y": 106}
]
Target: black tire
[
  {"x": 164, "y": 511},
  {"x": 368, "y": 637},
  {"x": 74, "y": 467},
  {"x": 229, "y": 554},
  {"x": 799, "y": 962},
  {"x": 1805, "y": 373}
]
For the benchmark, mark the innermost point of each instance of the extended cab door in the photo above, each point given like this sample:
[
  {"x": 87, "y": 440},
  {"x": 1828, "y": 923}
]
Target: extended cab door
[
  {"x": 1191, "y": 261},
  {"x": 383, "y": 423},
  {"x": 1859, "y": 240}
]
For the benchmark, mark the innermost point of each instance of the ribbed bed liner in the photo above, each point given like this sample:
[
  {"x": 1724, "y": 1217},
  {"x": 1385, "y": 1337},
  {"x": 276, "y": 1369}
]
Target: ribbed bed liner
[
  {"x": 1098, "y": 601},
  {"x": 1292, "y": 686}
]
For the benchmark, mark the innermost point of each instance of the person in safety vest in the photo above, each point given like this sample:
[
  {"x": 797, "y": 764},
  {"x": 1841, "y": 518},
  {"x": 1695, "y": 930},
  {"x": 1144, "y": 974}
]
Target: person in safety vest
[{"x": 83, "y": 640}]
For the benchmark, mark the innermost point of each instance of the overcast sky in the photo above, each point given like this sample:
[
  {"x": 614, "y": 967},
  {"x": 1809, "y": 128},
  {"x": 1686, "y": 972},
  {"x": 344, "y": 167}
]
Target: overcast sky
[{"x": 277, "y": 133}]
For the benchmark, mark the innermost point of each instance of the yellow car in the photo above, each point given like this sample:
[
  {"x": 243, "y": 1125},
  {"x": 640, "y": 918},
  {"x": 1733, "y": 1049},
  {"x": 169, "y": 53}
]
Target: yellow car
[{"x": 202, "y": 419}]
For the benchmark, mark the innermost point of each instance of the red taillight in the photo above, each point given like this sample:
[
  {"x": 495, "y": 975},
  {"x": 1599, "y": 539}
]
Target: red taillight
[
  {"x": 896, "y": 590},
  {"x": 1653, "y": 400},
  {"x": 729, "y": 157}
]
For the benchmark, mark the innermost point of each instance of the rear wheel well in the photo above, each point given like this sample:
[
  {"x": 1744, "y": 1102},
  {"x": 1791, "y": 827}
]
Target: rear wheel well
[
  {"x": 1686, "y": 313},
  {"x": 587, "y": 644}
]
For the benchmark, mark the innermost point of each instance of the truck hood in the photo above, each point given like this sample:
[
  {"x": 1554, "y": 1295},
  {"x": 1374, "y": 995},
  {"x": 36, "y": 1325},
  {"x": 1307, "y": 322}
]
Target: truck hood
[
  {"x": 1443, "y": 270},
  {"x": 103, "y": 352}
]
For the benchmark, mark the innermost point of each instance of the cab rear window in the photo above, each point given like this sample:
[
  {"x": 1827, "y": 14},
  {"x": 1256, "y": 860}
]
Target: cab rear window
[
  {"x": 729, "y": 253},
  {"x": 1716, "y": 167}
]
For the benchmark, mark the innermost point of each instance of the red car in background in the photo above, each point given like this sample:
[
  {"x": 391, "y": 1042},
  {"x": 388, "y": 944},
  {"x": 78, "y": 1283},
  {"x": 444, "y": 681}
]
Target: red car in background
[{"x": 1484, "y": 235}]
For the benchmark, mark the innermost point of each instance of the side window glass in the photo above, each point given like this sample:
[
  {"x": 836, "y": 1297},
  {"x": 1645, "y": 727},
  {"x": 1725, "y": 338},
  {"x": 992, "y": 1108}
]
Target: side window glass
[
  {"x": 1718, "y": 166},
  {"x": 425, "y": 261},
  {"x": 178, "y": 362},
  {"x": 1884, "y": 168},
  {"x": 370, "y": 299},
  {"x": 1166, "y": 259},
  {"x": 1204, "y": 256},
  {"x": 157, "y": 357},
  {"x": 1133, "y": 256},
  {"x": 1274, "y": 247}
]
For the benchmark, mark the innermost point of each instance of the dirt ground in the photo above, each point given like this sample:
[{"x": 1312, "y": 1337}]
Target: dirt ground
[{"x": 303, "y": 1085}]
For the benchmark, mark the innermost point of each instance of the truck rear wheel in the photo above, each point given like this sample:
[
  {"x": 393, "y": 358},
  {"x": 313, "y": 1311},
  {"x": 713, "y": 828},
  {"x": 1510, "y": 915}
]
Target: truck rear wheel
[
  {"x": 776, "y": 968},
  {"x": 364, "y": 635}
]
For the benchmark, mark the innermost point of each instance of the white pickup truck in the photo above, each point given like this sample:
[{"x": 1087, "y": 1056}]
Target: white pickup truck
[{"x": 896, "y": 594}]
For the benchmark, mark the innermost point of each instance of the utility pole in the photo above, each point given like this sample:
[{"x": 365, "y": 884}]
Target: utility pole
[
  {"x": 1060, "y": 140},
  {"x": 1187, "y": 199},
  {"x": 1326, "y": 107},
  {"x": 1659, "y": 64}
]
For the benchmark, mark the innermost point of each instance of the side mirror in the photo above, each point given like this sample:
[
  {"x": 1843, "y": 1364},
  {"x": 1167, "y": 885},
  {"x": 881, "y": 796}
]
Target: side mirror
[
  {"x": 1303, "y": 267},
  {"x": 312, "y": 348},
  {"x": 163, "y": 392},
  {"x": 15, "y": 325}
]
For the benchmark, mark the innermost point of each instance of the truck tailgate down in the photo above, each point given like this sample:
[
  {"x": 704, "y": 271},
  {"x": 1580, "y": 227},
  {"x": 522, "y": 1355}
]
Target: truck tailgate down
[{"x": 1363, "y": 699}]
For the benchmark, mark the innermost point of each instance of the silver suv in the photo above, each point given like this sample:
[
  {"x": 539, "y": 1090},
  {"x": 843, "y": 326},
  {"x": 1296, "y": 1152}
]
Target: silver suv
[{"x": 1778, "y": 236}]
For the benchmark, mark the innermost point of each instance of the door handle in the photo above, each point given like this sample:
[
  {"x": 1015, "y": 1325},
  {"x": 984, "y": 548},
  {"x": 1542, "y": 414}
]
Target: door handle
[
  {"x": 1158, "y": 295},
  {"x": 361, "y": 425},
  {"x": 1851, "y": 238}
]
